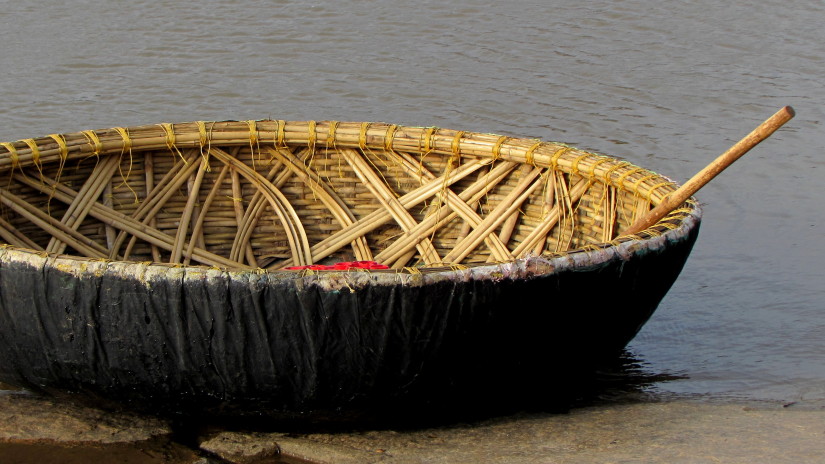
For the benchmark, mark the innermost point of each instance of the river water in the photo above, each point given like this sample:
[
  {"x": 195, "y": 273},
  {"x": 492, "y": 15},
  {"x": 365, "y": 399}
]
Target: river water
[{"x": 668, "y": 85}]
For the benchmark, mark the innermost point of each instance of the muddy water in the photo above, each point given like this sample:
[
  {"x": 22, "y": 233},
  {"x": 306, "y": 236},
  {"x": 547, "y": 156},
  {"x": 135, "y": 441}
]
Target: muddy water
[
  {"x": 667, "y": 85},
  {"x": 153, "y": 452}
]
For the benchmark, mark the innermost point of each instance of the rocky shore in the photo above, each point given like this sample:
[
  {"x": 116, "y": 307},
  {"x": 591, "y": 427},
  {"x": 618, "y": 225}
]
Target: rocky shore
[{"x": 43, "y": 430}]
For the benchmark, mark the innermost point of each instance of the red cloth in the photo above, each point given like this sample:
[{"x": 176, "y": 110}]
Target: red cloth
[{"x": 342, "y": 266}]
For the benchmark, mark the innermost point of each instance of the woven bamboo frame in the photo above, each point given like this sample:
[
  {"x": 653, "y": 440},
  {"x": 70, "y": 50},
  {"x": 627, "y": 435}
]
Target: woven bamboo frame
[{"x": 271, "y": 194}]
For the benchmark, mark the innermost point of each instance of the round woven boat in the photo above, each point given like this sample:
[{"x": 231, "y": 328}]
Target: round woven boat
[{"x": 150, "y": 263}]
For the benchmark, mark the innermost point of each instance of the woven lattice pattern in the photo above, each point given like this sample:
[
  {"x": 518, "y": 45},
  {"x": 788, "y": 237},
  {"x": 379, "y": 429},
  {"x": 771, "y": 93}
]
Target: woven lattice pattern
[{"x": 272, "y": 194}]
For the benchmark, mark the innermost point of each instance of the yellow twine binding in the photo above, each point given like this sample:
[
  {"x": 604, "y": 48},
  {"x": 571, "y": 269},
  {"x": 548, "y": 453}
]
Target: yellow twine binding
[
  {"x": 312, "y": 135},
  {"x": 280, "y": 135},
  {"x": 64, "y": 153},
  {"x": 169, "y": 129},
  {"x": 61, "y": 143},
  {"x": 554, "y": 161},
  {"x": 497, "y": 147},
  {"x": 94, "y": 141},
  {"x": 127, "y": 141},
  {"x": 620, "y": 182},
  {"x": 455, "y": 160},
  {"x": 389, "y": 138},
  {"x": 574, "y": 169},
  {"x": 15, "y": 158},
  {"x": 35, "y": 152},
  {"x": 529, "y": 156},
  {"x": 127, "y": 147},
  {"x": 657, "y": 187},
  {"x": 362, "y": 136},
  {"x": 333, "y": 127},
  {"x": 205, "y": 141}
]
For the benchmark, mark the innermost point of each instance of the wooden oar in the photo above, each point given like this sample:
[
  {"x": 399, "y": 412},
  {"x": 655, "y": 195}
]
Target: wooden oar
[{"x": 710, "y": 171}]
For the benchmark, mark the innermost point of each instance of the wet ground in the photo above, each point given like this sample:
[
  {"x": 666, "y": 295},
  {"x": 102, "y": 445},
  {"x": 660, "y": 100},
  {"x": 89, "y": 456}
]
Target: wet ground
[
  {"x": 40, "y": 430},
  {"x": 151, "y": 452},
  {"x": 613, "y": 417}
]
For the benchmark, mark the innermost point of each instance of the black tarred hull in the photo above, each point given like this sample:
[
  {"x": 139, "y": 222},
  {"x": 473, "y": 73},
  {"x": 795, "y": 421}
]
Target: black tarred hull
[{"x": 263, "y": 344}]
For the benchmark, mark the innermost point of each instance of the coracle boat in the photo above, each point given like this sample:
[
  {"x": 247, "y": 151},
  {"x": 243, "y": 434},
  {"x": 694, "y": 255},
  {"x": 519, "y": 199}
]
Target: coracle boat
[{"x": 191, "y": 265}]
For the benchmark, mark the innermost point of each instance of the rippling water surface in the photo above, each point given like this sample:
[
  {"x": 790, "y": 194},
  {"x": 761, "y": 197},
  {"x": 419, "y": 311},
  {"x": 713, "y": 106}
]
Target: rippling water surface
[{"x": 668, "y": 85}]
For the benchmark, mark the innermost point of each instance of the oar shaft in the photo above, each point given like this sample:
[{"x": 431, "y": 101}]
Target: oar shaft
[{"x": 710, "y": 171}]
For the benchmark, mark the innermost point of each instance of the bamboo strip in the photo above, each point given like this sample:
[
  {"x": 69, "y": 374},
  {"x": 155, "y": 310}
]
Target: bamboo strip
[
  {"x": 9, "y": 237},
  {"x": 327, "y": 195},
  {"x": 245, "y": 230},
  {"x": 289, "y": 218},
  {"x": 466, "y": 226},
  {"x": 509, "y": 225},
  {"x": 432, "y": 222},
  {"x": 108, "y": 200},
  {"x": 197, "y": 228},
  {"x": 196, "y": 210},
  {"x": 403, "y": 260},
  {"x": 153, "y": 202},
  {"x": 609, "y": 220},
  {"x": 254, "y": 211},
  {"x": 379, "y": 217},
  {"x": 547, "y": 206},
  {"x": 566, "y": 213},
  {"x": 52, "y": 226},
  {"x": 149, "y": 172},
  {"x": 384, "y": 194},
  {"x": 237, "y": 203},
  {"x": 183, "y": 228},
  {"x": 90, "y": 191},
  {"x": 452, "y": 201},
  {"x": 12, "y": 236},
  {"x": 128, "y": 224},
  {"x": 551, "y": 219},
  {"x": 494, "y": 218}
]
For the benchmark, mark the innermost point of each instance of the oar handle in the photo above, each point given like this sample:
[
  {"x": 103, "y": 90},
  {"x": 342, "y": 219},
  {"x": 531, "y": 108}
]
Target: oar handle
[{"x": 710, "y": 171}]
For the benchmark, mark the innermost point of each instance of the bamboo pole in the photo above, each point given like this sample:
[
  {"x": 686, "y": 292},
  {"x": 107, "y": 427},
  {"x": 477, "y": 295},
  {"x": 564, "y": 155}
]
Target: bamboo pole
[{"x": 710, "y": 171}]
